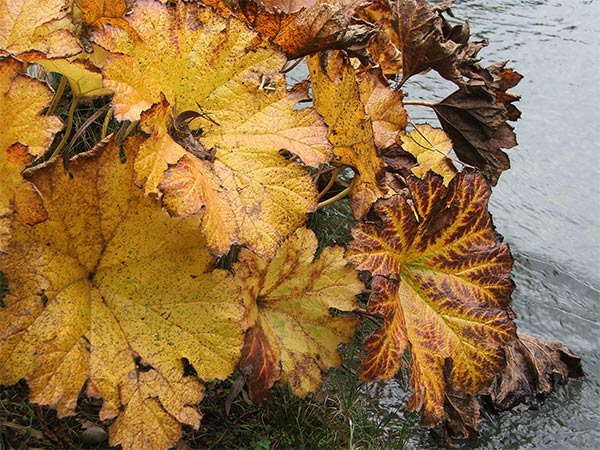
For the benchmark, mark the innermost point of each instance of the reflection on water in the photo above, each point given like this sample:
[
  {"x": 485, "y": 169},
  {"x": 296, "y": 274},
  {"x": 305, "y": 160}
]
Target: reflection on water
[{"x": 547, "y": 206}]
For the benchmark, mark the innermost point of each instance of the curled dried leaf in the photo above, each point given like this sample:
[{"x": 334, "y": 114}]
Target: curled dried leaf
[{"x": 532, "y": 367}]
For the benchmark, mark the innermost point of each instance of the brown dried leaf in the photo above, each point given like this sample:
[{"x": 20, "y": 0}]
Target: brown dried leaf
[
  {"x": 531, "y": 367},
  {"x": 475, "y": 118}
]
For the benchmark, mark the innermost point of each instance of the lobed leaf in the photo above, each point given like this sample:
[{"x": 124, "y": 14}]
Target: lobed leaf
[
  {"x": 441, "y": 282},
  {"x": 110, "y": 294},
  {"x": 244, "y": 116},
  {"x": 293, "y": 336},
  {"x": 303, "y": 28},
  {"x": 532, "y": 367},
  {"x": 26, "y": 134},
  {"x": 475, "y": 117},
  {"x": 29, "y": 28}
]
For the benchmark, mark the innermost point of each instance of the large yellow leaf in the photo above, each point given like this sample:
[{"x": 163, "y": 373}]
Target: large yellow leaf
[
  {"x": 293, "y": 336},
  {"x": 36, "y": 26},
  {"x": 442, "y": 284},
  {"x": 336, "y": 96},
  {"x": 113, "y": 294},
  {"x": 245, "y": 116},
  {"x": 26, "y": 133}
]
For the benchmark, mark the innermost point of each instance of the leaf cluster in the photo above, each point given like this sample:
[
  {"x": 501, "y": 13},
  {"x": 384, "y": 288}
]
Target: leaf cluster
[{"x": 168, "y": 248}]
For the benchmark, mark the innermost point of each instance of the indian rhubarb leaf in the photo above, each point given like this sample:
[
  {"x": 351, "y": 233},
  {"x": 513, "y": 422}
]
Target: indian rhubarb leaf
[
  {"x": 430, "y": 146},
  {"x": 111, "y": 295},
  {"x": 475, "y": 117},
  {"x": 213, "y": 70},
  {"x": 31, "y": 28},
  {"x": 415, "y": 37},
  {"x": 26, "y": 134},
  {"x": 92, "y": 10},
  {"x": 336, "y": 96},
  {"x": 532, "y": 367},
  {"x": 442, "y": 285},
  {"x": 293, "y": 336}
]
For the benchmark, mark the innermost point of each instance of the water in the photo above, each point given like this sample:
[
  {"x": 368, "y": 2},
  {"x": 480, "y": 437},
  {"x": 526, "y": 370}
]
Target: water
[{"x": 547, "y": 206}]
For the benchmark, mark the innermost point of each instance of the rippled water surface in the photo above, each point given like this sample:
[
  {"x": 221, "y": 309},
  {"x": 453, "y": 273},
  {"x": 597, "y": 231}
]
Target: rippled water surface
[{"x": 547, "y": 206}]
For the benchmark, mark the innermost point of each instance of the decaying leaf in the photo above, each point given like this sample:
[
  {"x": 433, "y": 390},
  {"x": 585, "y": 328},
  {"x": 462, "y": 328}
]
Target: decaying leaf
[
  {"x": 415, "y": 37},
  {"x": 532, "y": 366},
  {"x": 475, "y": 118},
  {"x": 430, "y": 146},
  {"x": 26, "y": 134},
  {"x": 294, "y": 337},
  {"x": 336, "y": 96},
  {"x": 306, "y": 27},
  {"x": 34, "y": 28},
  {"x": 441, "y": 282},
  {"x": 213, "y": 67},
  {"x": 111, "y": 294}
]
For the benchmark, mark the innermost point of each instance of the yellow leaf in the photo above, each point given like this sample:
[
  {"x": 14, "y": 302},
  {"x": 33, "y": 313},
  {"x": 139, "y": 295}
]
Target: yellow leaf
[
  {"x": 26, "y": 133},
  {"x": 430, "y": 146},
  {"x": 289, "y": 300},
  {"x": 243, "y": 117},
  {"x": 42, "y": 26},
  {"x": 159, "y": 150},
  {"x": 336, "y": 96},
  {"x": 383, "y": 105},
  {"x": 113, "y": 294},
  {"x": 84, "y": 78}
]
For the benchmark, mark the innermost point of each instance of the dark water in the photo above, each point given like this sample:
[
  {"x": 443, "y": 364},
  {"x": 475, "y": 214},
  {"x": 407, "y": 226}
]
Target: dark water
[{"x": 547, "y": 206}]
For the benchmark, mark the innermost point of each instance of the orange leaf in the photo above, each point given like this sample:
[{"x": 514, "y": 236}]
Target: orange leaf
[
  {"x": 441, "y": 283},
  {"x": 242, "y": 117},
  {"x": 303, "y": 28}
]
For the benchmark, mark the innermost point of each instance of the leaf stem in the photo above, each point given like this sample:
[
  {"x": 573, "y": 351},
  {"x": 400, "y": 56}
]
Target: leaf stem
[
  {"x": 63, "y": 141},
  {"x": 338, "y": 196},
  {"x": 325, "y": 190},
  {"x": 57, "y": 95},
  {"x": 419, "y": 103},
  {"x": 107, "y": 118}
]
